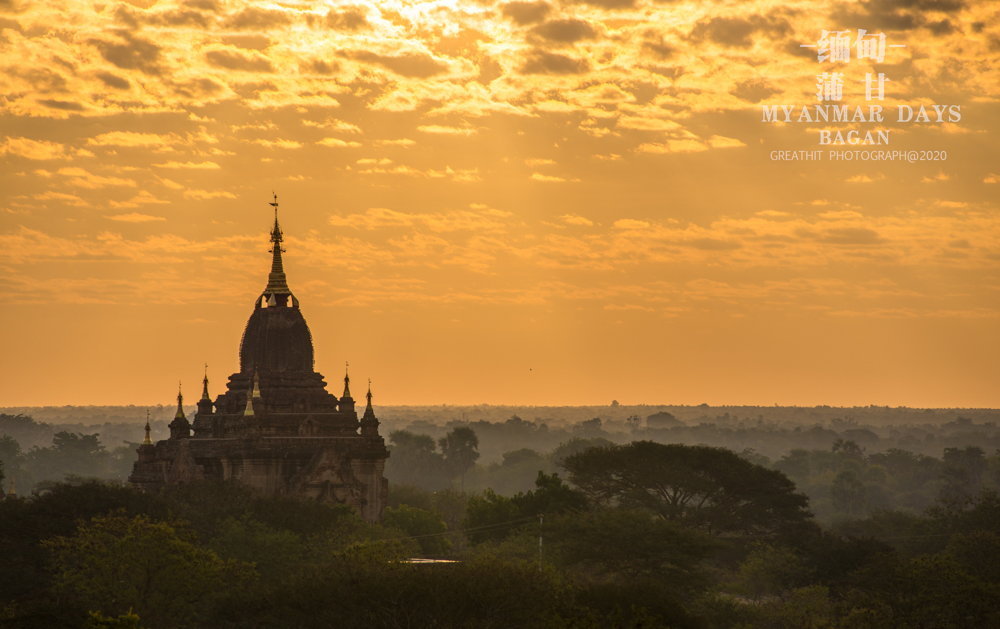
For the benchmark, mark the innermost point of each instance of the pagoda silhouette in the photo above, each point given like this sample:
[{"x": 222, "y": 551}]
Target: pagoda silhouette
[{"x": 276, "y": 428}]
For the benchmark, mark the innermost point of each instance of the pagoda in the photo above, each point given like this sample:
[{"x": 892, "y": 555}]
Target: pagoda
[{"x": 276, "y": 428}]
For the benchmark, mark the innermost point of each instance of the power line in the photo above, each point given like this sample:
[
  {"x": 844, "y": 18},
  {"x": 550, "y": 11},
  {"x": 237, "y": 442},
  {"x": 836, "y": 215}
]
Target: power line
[{"x": 487, "y": 527}]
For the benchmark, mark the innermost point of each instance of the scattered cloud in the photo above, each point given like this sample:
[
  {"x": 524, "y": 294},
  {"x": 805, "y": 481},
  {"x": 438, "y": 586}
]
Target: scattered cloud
[
  {"x": 338, "y": 143},
  {"x": 135, "y": 217},
  {"x": 190, "y": 165}
]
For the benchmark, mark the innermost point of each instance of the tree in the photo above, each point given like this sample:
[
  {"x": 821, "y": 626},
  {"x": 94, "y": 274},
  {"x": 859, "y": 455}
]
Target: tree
[
  {"x": 115, "y": 563},
  {"x": 426, "y": 526},
  {"x": 274, "y": 552},
  {"x": 551, "y": 496},
  {"x": 414, "y": 459},
  {"x": 963, "y": 472},
  {"x": 125, "y": 621},
  {"x": 459, "y": 448},
  {"x": 848, "y": 492},
  {"x": 10, "y": 452},
  {"x": 70, "y": 453},
  {"x": 771, "y": 571},
  {"x": 630, "y": 544},
  {"x": 662, "y": 419},
  {"x": 490, "y": 516},
  {"x": 708, "y": 488}
]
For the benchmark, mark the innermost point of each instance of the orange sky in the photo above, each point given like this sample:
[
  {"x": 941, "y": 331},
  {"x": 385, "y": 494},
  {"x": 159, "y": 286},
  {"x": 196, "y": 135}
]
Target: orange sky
[{"x": 498, "y": 202}]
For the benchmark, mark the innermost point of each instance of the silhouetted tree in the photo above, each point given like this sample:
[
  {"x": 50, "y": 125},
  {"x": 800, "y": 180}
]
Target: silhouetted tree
[
  {"x": 848, "y": 493},
  {"x": 708, "y": 488},
  {"x": 459, "y": 448}
]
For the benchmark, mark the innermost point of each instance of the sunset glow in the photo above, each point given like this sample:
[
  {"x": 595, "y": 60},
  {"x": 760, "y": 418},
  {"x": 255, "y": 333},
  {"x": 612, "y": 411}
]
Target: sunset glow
[{"x": 488, "y": 202}]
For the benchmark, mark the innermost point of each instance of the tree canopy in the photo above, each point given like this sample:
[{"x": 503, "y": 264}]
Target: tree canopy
[{"x": 712, "y": 489}]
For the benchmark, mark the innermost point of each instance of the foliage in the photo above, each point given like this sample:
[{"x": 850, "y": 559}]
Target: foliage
[
  {"x": 629, "y": 545},
  {"x": 459, "y": 448},
  {"x": 127, "y": 620},
  {"x": 551, "y": 496},
  {"x": 116, "y": 562},
  {"x": 848, "y": 492},
  {"x": 273, "y": 552},
  {"x": 771, "y": 571},
  {"x": 427, "y": 526},
  {"x": 491, "y": 516},
  {"x": 70, "y": 453},
  {"x": 414, "y": 459},
  {"x": 707, "y": 488}
]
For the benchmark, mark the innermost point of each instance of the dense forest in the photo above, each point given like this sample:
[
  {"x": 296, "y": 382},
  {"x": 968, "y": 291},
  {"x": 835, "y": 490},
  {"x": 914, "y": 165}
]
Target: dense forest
[{"x": 670, "y": 519}]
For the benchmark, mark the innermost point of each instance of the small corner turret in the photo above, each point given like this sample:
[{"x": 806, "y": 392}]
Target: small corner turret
[
  {"x": 205, "y": 403},
  {"x": 369, "y": 423},
  {"x": 180, "y": 428},
  {"x": 147, "y": 451},
  {"x": 346, "y": 401}
]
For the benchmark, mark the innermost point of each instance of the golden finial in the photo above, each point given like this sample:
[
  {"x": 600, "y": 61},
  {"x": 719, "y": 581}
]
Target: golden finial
[
  {"x": 180, "y": 402},
  {"x": 250, "y": 396}
]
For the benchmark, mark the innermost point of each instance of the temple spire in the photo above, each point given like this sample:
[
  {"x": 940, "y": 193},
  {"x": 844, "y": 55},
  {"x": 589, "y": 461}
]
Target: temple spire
[
  {"x": 147, "y": 441},
  {"x": 13, "y": 492},
  {"x": 256, "y": 385},
  {"x": 276, "y": 282},
  {"x": 204, "y": 391},
  {"x": 347, "y": 381},
  {"x": 180, "y": 403},
  {"x": 369, "y": 424}
]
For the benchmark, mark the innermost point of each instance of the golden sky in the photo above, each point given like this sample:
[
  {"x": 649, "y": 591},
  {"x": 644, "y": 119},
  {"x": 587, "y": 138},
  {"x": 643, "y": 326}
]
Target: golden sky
[{"x": 499, "y": 202}]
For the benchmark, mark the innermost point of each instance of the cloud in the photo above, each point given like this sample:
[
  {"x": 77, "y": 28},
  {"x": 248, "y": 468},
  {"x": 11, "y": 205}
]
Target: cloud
[
  {"x": 191, "y": 165},
  {"x": 647, "y": 124},
  {"x": 131, "y": 139},
  {"x": 334, "y": 125},
  {"x": 442, "y": 222},
  {"x": 628, "y": 223},
  {"x": 135, "y": 217},
  {"x": 524, "y": 13},
  {"x": 33, "y": 149},
  {"x": 754, "y": 90},
  {"x": 80, "y": 178},
  {"x": 68, "y": 199},
  {"x": 542, "y": 62},
  {"x": 437, "y": 129},
  {"x": 672, "y": 146},
  {"x": 565, "y": 31},
  {"x": 737, "y": 32},
  {"x": 144, "y": 197},
  {"x": 409, "y": 65},
  {"x": 235, "y": 59},
  {"x": 573, "y": 219},
  {"x": 533, "y": 162},
  {"x": 720, "y": 142},
  {"x": 541, "y": 177},
  {"x": 351, "y": 19},
  {"x": 253, "y": 18},
  {"x": 404, "y": 142},
  {"x": 941, "y": 176},
  {"x": 279, "y": 143},
  {"x": 337, "y": 142},
  {"x": 204, "y": 195},
  {"x": 130, "y": 52},
  {"x": 114, "y": 81}
]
